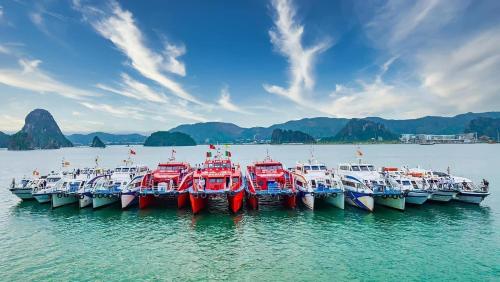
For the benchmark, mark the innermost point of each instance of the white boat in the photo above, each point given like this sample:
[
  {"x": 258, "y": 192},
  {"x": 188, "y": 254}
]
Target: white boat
[
  {"x": 24, "y": 189},
  {"x": 43, "y": 194},
  {"x": 129, "y": 195},
  {"x": 315, "y": 182},
  {"x": 357, "y": 193},
  {"x": 85, "y": 193},
  {"x": 468, "y": 192},
  {"x": 108, "y": 189},
  {"x": 410, "y": 185}
]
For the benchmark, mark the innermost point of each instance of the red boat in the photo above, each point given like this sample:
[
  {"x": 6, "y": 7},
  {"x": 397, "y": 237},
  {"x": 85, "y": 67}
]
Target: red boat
[
  {"x": 218, "y": 177},
  {"x": 169, "y": 182},
  {"x": 268, "y": 180}
]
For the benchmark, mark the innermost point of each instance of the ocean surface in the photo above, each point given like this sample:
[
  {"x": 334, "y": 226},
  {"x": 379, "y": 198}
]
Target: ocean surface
[{"x": 438, "y": 242}]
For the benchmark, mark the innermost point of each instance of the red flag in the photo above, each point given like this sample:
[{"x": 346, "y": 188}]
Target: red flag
[
  {"x": 211, "y": 146},
  {"x": 228, "y": 154},
  {"x": 132, "y": 152}
]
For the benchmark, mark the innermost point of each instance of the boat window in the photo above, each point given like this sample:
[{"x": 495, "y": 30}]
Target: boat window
[
  {"x": 299, "y": 168},
  {"x": 363, "y": 168},
  {"x": 313, "y": 183},
  {"x": 306, "y": 168},
  {"x": 118, "y": 169},
  {"x": 315, "y": 167},
  {"x": 235, "y": 180},
  {"x": 344, "y": 167},
  {"x": 132, "y": 169},
  {"x": 216, "y": 180},
  {"x": 398, "y": 181},
  {"x": 125, "y": 169},
  {"x": 52, "y": 180},
  {"x": 406, "y": 182},
  {"x": 371, "y": 168},
  {"x": 355, "y": 168},
  {"x": 322, "y": 167},
  {"x": 210, "y": 165},
  {"x": 327, "y": 181}
]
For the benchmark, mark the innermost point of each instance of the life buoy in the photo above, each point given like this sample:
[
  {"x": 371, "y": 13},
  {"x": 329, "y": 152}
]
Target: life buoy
[
  {"x": 59, "y": 195},
  {"x": 334, "y": 195},
  {"x": 204, "y": 196},
  {"x": 384, "y": 196},
  {"x": 401, "y": 196},
  {"x": 81, "y": 196}
]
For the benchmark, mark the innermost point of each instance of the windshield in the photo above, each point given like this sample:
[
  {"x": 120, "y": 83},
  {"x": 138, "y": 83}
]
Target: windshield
[
  {"x": 355, "y": 168},
  {"x": 322, "y": 167},
  {"x": 363, "y": 168}
]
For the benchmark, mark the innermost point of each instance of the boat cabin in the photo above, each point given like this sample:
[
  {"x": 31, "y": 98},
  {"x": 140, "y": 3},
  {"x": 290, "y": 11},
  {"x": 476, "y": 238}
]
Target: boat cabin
[
  {"x": 217, "y": 174},
  {"x": 268, "y": 174}
]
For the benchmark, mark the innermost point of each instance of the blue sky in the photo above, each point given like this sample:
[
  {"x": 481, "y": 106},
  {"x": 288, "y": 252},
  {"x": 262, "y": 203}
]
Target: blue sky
[{"x": 141, "y": 66}]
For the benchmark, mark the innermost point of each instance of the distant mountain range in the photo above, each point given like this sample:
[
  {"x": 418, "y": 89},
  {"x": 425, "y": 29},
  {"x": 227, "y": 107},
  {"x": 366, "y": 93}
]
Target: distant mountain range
[
  {"x": 167, "y": 138},
  {"x": 41, "y": 131},
  {"x": 322, "y": 127},
  {"x": 106, "y": 138}
]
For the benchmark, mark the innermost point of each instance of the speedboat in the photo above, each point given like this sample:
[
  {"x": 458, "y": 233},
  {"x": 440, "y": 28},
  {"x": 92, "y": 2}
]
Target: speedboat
[
  {"x": 43, "y": 194},
  {"x": 357, "y": 193},
  {"x": 268, "y": 181},
  {"x": 410, "y": 184},
  {"x": 315, "y": 181},
  {"x": 170, "y": 181},
  {"x": 84, "y": 194},
  {"x": 24, "y": 188},
  {"x": 440, "y": 186},
  {"x": 107, "y": 190},
  {"x": 216, "y": 178},
  {"x": 68, "y": 191},
  {"x": 468, "y": 192}
]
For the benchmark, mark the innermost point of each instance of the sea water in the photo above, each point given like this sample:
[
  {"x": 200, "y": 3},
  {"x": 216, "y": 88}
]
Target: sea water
[{"x": 452, "y": 241}]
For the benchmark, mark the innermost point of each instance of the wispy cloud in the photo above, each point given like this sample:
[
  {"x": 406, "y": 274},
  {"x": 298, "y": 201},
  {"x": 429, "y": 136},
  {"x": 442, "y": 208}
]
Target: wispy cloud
[
  {"x": 10, "y": 123},
  {"x": 286, "y": 36},
  {"x": 117, "y": 111},
  {"x": 225, "y": 102},
  {"x": 132, "y": 88},
  {"x": 30, "y": 77},
  {"x": 120, "y": 28}
]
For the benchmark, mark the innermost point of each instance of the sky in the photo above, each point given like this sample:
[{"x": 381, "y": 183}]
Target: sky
[{"x": 142, "y": 66}]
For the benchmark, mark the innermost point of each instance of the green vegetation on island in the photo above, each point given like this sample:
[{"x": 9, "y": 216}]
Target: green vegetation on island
[
  {"x": 280, "y": 136},
  {"x": 40, "y": 131},
  {"x": 486, "y": 128},
  {"x": 107, "y": 138},
  {"x": 166, "y": 138},
  {"x": 362, "y": 130},
  {"x": 4, "y": 140},
  {"x": 97, "y": 143}
]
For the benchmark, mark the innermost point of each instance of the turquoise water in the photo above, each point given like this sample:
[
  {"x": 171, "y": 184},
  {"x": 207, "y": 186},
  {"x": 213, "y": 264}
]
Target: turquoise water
[{"x": 433, "y": 242}]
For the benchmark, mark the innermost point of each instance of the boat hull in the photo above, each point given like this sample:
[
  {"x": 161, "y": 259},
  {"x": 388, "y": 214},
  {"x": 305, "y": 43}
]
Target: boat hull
[
  {"x": 416, "y": 198},
  {"x": 198, "y": 202},
  {"x": 391, "y": 201},
  {"x": 235, "y": 201},
  {"x": 308, "y": 200},
  {"x": 360, "y": 200},
  {"x": 128, "y": 199},
  {"x": 23, "y": 193},
  {"x": 336, "y": 200},
  {"x": 42, "y": 198},
  {"x": 98, "y": 202},
  {"x": 471, "y": 197},
  {"x": 254, "y": 200},
  {"x": 442, "y": 196},
  {"x": 181, "y": 199},
  {"x": 62, "y": 199},
  {"x": 84, "y": 201}
]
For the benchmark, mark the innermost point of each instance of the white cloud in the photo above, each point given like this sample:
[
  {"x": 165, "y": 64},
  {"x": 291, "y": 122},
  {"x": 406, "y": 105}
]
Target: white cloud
[
  {"x": 10, "y": 123},
  {"x": 117, "y": 111},
  {"x": 4, "y": 50},
  {"x": 31, "y": 77},
  {"x": 120, "y": 28},
  {"x": 1, "y": 12},
  {"x": 286, "y": 36},
  {"x": 225, "y": 102},
  {"x": 134, "y": 89}
]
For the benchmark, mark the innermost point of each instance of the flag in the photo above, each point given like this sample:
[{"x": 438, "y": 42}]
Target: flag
[
  {"x": 66, "y": 164},
  {"x": 228, "y": 154},
  {"x": 209, "y": 154},
  {"x": 359, "y": 153},
  {"x": 211, "y": 146},
  {"x": 132, "y": 152}
]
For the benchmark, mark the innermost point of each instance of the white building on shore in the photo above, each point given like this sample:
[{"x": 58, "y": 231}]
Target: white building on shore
[{"x": 441, "y": 139}]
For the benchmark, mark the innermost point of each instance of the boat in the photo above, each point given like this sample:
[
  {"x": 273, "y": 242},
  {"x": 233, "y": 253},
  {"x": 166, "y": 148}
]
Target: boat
[
  {"x": 410, "y": 184},
  {"x": 216, "y": 178},
  {"x": 108, "y": 190},
  {"x": 68, "y": 191},
  {"x": 315, "y": 181},
  {"x": 268, "y": 181},
  {"x": 357, "y": 193},
  {"x": 24, "y": 188},
  {"x": 440, "y": 186},
  {"x": 468, "y": 192},
  {"x": 84, "y": 194},
  {"x": 43, "y": 194},
  {"x": 169, "y": 182}
]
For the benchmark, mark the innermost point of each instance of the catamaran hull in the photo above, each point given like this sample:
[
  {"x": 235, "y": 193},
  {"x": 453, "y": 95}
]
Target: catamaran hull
[
  {"x": 442, "y": 196},
  {"x": 42, "y": 198},
  {"x": 98, "y": 202},
  {"x": 337, "y": 200},
  {"x": 395, "y": 202},
  {"x": 128, "y": 200},
  {"x": 22, "y": 193},
  {"x": 361, "y": 200},
  {"x": 253, "y": 201},
  {"x": 235, "y": 201},
  {"x": 62, "y": 199},
  {"x": 471, "y": 197},
  {"x": 198, "y": 202},
  {"x": 417, "y": 198},
  {"x": 308, "y": 200},
  {"x": 84, "y": 201}
]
